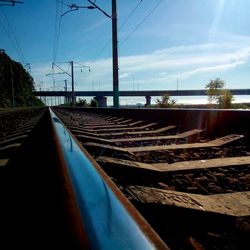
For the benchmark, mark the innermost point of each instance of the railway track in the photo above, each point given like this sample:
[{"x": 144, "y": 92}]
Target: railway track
[
  {"x": 191, "y": 185},
  {"x": 74, "y": 174},
  {"x": 15, "y": 127},
  {"x": 34, "y": 208}
]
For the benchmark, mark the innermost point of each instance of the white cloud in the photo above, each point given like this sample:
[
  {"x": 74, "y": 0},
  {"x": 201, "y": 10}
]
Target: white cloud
[
  {"x": 154, "y": 69},
  {"x": 200, "y": 70},
  {"x": 184, "y": 57},
  {"x": 124, "y": 75}
]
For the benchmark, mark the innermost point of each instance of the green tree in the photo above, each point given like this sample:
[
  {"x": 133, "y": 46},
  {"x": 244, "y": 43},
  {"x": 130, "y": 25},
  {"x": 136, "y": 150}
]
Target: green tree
[
  {"x": 225, "y": 99},
  {"x": 165, "y": 102},
  {"x": 23, "y": 84},
  {"x": 93, "y": 103},
  {"x": 81, "y": 103},
  {"x": 214, "y": 88}
]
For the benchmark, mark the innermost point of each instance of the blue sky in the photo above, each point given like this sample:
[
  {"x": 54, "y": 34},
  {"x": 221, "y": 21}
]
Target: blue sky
[{"x": 161, "y": 41}]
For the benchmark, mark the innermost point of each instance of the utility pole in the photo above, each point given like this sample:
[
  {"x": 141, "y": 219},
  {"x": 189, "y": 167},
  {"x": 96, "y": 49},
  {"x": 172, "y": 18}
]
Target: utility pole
[
  {"x": 72, "y": 81},
  {"x": 71, "y": 75},
  {"x": 114, "y": 50},
  {"x": 115, "y": 55},
  {"x": 12, "y": 86},
  {"x": 66, "y": 90},
  {"x": 74, "y": 7}
]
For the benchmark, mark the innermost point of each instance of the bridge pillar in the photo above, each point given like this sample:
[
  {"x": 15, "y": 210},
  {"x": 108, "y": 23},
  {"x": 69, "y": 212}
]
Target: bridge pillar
[
  {"x": 102, "y": 101},
  {"x": 148, "y": 100}
]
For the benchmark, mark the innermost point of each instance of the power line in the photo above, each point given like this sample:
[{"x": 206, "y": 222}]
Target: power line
[
  {"x": 13, "y": 38},
  {"x": 130, "y": 14},
  {"x": 8, "y": 34},
  {"x": 97, "y": 7},
  {"x": 62, "y": 71},
  {"x": 75, "y": 7},
  {"x": 57, "y": 28},
  {"x": 121, "y": 26},
  {"x": 55, "y": 31},
  {"x": 62, "y": 2},
  {"x": 103, "y": 48},
  {"x": 140, "y": 23},
  {"x": 9, "y": 2}
]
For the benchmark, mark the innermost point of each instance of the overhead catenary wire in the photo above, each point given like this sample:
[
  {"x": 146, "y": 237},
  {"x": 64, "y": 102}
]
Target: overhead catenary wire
[
  {"x": 9, "y": 36},
  {"x": 103, "y": 48},
  {"x": 62, "y": 2},
  {"x": 120, "y": 27},
  {"x": 15, "y": 39},
  {"x": 9, "y": 2},
  {"x": 12, "y": 37},
  {"x": 57, "y": 31},
  {"x": 140, "y": 23},
  {"x": 129, "y": 16}
]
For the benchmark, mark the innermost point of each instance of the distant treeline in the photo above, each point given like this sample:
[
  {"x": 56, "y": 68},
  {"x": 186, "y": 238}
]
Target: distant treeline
[{"x": 15, "y": 81}]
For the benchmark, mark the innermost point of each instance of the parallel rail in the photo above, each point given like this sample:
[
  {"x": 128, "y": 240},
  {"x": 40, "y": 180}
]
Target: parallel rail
[{"x": 15, "y": 127}]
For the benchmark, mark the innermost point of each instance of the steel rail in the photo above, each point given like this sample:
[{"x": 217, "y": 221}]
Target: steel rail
[{"x": 108, "y": 218}]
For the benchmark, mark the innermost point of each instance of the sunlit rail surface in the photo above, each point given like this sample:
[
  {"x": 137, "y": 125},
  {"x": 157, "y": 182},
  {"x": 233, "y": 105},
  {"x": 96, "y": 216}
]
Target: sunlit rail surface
[
  {"x": 126, "y": 178},
  {"x": 104, "y": 215}
]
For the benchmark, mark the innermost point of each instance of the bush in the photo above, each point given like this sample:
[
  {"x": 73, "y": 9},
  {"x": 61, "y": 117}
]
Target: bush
[
  {"x": 225, "y": 100},
  {"x": 81, "y": 103},
  {"x": 165, "y": 102},
  {"x": 214, "y": 89},
  {"x": 93, "y": 103}
]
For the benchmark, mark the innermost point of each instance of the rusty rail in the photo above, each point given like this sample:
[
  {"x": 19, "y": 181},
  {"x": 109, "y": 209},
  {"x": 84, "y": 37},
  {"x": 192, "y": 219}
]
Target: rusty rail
[
  {"x": 188, "y": 168},
  {"x": 108, "y": 218}
]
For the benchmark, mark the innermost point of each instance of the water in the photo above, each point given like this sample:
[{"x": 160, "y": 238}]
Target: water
[
  {"x": 127, "y": 101},
  {"x": 140, "y": 101}
]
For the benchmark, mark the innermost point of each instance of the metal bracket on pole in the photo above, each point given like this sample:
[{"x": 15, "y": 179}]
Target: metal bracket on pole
[
  {"x": 74, "y": 7},
  {"x": 9, "y": 2},
  {"x": 115, "y": 51}
]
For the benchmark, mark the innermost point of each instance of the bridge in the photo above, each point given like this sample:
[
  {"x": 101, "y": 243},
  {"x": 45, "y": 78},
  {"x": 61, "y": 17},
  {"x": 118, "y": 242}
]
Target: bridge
[{"x": 101, "y": 96}]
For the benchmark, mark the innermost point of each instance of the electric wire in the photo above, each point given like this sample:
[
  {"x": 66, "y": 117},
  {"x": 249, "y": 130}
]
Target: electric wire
[
  {"x": 58, "y": 22},
  {"x": 10, "y": 38},
  {"x": 55, "y": 32},
  {"x": 140, "y": 23},
  {"x": 62, "y": 2},
  {"x": 9, "y": 3},
  {"x": 121, "y": 26},
  {"x": 13, "y": 38},
  {"x": 129, "y": 16},
  {"x": 16, "y": 40},
  {"x": 103, "y": 48}
]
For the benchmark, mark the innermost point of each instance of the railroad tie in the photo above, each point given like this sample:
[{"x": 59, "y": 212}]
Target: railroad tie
[
  {"x": 19, "y": 138},
  {"x": 140, "y": 132},
  {"x": 3, "y": 162},
  {"x": 177, "y": 166},
  {"x": 214, "y": 143},
  {"x": 114, "y": 128},
  {"x": 106, "y": 148},
  {"x": 232, "y": 204},
  {"x": 76, "y": 130},
  {"x": 149, "y": 138}
]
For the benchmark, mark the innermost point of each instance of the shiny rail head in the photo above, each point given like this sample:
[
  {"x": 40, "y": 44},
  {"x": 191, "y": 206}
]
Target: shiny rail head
[{"x": 107, "y": 222}]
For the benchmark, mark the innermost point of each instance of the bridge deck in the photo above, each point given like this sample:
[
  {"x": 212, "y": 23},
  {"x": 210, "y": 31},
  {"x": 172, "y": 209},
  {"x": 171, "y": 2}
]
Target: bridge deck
[{"x": 197, "y": 92}]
